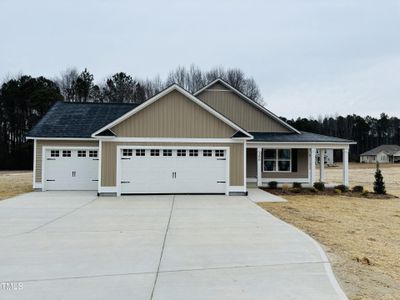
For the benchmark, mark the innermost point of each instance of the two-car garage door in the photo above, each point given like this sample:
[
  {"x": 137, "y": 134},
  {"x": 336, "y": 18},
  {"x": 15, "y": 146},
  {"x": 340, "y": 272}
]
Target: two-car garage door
[
  {"x": 163, "y": 170},
  {"x": 71, "y": 169}
]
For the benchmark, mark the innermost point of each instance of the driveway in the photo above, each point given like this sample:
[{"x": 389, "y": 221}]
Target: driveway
[{"x": 74, "y": 245}]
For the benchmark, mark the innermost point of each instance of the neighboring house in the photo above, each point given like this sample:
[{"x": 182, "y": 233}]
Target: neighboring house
[
  {"x": 328, "y": 156},
  {"x": 382, "y": 154},
  {"x": 214, "y": 141}
]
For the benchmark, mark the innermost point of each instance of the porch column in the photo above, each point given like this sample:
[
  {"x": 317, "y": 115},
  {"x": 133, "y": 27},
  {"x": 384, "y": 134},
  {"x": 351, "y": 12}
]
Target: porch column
[
  {"x": 259, "y": 160},
  {"x": 312, "y": 165},
  {"x": 346, "y": 166},
  {"x": 322, "y": 165}
]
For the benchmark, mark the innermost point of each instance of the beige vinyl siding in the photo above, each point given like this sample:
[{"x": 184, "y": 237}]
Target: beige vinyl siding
[
  {"x": 109, "y": 157},
  {"x": 240, "y": 111},
  {"x": 174, "y": 115},
  {"x": 302, "y": 166},
  {"x": 218, "y": 86},
  {"x": 54, "y": 143}
]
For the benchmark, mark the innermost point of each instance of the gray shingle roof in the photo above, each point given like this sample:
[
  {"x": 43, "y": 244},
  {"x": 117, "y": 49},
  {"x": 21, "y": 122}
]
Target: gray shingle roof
[
  {"x": 77, "y": 119},
  {"x": 295, "y": 137},
  {"x": 388, "y": 149}
]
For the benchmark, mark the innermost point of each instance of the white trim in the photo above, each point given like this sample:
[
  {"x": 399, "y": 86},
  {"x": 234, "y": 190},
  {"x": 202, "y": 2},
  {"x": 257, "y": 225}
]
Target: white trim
[
  {"x": 173, "y": 140},
  {"x": 59, "y": 139},
  {"x": 44, "y": 148},
  {"x": 345, "y": 167},
  {"x": 34, "y": 165},
  {"x": 279, "y": 180},
  {"x": 254, "y": 103},
  {"x": 312, "y": 152},
  {"x": 99, "y": 166},
  {"x": 277, "y": 161},
  {"x": 107, "y": 189},
  {"x": 244, "y": 163},
  {"x": 120, "y": 147},
  {"x": 237, "y": 189},
  {"x": 259, "y": 167},
  {"x": 163, "y": 93},
  {"x": 302, "y": 145}
]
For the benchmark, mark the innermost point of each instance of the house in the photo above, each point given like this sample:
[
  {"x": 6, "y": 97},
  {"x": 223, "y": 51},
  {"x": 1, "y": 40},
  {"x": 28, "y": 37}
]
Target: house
[
  {"x": 216, "y": 140},
  {"x": 328, "y": 156},
  {"x": 382, "y": 154}
]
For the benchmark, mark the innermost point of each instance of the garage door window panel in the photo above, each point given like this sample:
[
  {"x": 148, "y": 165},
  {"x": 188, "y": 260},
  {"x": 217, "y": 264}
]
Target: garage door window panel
[
  {"x": 181, "y": 152},
  {"x": 127, "y": 152},
  {"x": 81, "y": 153},
  {"x": 207, "y": 153},
  {"x": 93, "y": 153},
  {"x": 140, "y": 152},
  {"x": 167, "y": 152},
  {"x": 154, "y": 152},
  {"x": 66, "y": 153},
  {"x": 54, "y": 153}
]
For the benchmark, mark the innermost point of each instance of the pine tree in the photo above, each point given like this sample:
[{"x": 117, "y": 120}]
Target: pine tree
[{"x": 379, "y": 184}]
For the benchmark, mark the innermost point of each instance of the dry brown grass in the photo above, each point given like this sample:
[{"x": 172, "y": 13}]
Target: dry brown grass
[
  {"x": 13, "y": 183},
  {"x": 354, "y": 231}
]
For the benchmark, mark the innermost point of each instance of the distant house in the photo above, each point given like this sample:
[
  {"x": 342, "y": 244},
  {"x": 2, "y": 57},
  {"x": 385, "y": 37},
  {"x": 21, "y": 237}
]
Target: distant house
[{"x": 382, "y": 154}]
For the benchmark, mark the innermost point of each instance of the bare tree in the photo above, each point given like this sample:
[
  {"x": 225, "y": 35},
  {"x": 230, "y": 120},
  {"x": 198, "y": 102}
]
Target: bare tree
[{"x": 66, "y": 83}]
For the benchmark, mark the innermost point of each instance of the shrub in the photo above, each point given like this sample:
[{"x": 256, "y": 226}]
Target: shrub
[
  {"x": 358, "y": 189},
  {"x": 379, "y": 184},
  {"x": 313, "y": 190},
  {"x": 272, "y": 184},
  {"x": 285, "y": 187},
  {"x": 297, "y": 185},
  {"x": 337, "y": 191},
  {"x": 342, "y": 188},
  {"x": 320, "y": 186},
  {"x": 365, "y": 193}
]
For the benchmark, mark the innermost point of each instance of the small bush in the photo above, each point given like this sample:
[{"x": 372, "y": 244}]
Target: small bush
[
  {"x": 342, "y": 188},
  {"x": 295, "y": 190},
  {"x": 285, "y": 187},
  {"x": 273, "y": 185},
  {"x": 337, "y": 191},
  {"x": 365, "y": 193},
  {"x": 313, "y": 190},
  {"x": 320, "y": 186},
  {"x": 358, "y": 189},
  {"x": 297, "y": 185}
]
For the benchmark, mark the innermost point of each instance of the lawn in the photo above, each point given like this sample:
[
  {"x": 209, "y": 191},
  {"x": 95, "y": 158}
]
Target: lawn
[
  {"x": 361, "y": 236},
  {"x": 13, "y": 183}
]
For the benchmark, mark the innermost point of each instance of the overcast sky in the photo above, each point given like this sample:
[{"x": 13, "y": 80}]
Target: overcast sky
[{"x": 309, "y": 57}]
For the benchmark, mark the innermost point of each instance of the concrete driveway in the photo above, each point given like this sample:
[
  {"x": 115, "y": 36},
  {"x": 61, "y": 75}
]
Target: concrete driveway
[{"x": 74, "y": 245}]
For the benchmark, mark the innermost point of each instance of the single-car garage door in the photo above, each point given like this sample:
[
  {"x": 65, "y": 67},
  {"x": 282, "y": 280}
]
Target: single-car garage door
[
  {"x": 174, "y": 171},
  {"x": 71, "y": 169}
]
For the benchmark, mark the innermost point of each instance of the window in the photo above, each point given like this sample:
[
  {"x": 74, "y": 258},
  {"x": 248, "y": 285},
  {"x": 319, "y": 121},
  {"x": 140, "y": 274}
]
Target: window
[
  {"x": 81, "y": 153},
  {"x": 93, "y": 153},
  {"x": 277, "y": 160},
  {"x": 207, "y": 152},
  {"x": 154, "y": 152},
  {"x": 66, "y": 153},
  {"x": 140, "y": 152},
  {"x": 193, "y": 152},
  {"x": 219, "y": 153},
  {"x": 181, "y": 152},
  {"x": 54, "y": 153},
  {"x": 127, "y": 152},
  {"x": 167, "y": 152}
]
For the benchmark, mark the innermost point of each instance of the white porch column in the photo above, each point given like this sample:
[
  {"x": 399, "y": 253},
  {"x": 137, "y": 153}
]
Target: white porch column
[
  {"x": 312, "y": 165},
  {"x": 259, "y": 166},
  {"x": 322, "y": 165},
  {"x": 346, "y": 166}
]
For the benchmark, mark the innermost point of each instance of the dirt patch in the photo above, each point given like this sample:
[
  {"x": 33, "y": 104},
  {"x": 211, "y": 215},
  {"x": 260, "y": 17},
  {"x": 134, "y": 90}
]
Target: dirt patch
[
  {"x": 360, "y": 236},
  {"x": 13, "y": 183}
]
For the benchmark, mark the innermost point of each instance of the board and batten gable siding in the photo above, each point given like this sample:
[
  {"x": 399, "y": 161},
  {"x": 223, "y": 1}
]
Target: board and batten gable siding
[
  {"x": 239, "y": 110},
  {"x": 109, "y": 157},
  {"x": 54, "y": 143},
  {"x": 302, "y": 166},
  {"x": 173, "y": 115}
]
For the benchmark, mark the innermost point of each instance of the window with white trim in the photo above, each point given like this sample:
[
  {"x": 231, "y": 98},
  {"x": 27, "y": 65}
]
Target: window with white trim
[
  {"x": 207, "y": 152},
  {"x": 140, "y": 152},
  {"x": 54, "y": 153},
  {"x": 93, "y": 153},
  {"x": 154, "y": 152},
  {"x": 167, "y": 152},
  {"x": 219, "y": 153},
  {"x": 81, "y": 153},
  {"x": 181, "y": 152},
  {"x": 127, "y": 152},
  {"x": 66, "y": 153},
  {"x": 193, "y": 152},
  {"x": 277, "y": 160}
]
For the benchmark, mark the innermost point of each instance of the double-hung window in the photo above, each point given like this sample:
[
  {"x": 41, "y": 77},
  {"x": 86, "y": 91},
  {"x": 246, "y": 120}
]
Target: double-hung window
[{"x": 277, "y": 160}]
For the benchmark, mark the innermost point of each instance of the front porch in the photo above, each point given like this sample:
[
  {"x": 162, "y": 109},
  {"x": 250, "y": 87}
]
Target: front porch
[{"x": 287, "y": 164}]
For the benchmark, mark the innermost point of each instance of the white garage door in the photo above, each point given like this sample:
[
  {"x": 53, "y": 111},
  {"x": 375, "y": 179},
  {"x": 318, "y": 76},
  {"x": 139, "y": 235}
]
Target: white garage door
[
  {"x": 173, "y": 171},
  {"x": 71, "y": 169}
]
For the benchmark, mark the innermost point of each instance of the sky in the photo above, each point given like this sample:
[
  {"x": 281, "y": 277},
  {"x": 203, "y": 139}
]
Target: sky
[{"x": 309, "y": 57}]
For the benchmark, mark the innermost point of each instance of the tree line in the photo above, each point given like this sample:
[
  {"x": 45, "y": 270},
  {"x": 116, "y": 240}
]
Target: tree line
[{"x": 25, "y": 99}]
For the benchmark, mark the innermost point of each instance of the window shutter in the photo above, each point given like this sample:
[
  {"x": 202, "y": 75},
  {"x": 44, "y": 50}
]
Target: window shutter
[{"x": 294, "y": 160}]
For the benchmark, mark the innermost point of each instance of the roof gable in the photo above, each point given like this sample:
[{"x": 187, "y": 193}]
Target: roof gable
[
  {"x": 241, "y": 109},
  {"x": 150, "y": 119},
  {"x": 388, "y": 149}
]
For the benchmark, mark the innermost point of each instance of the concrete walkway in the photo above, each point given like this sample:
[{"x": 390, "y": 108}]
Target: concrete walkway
[
  {"x": 77, "y": 246},
  {"x": 258, "y": 195}
]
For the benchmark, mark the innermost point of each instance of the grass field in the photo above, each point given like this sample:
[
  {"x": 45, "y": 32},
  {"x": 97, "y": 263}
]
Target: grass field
[
  {"x": 13, "y": 183},
  {"x": 361, "y": 236}
]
